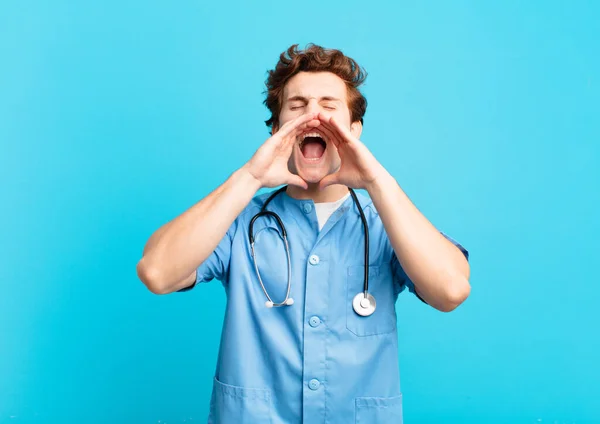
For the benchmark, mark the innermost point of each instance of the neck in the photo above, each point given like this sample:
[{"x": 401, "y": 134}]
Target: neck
[{"x": 328, "y": 194}]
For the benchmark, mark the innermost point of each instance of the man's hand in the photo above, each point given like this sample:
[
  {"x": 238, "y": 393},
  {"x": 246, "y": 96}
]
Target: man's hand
[
  {"x": 359, "y": 168},
  {"x": 269, "y": 165},
  {"x": 439, "y": 271}
]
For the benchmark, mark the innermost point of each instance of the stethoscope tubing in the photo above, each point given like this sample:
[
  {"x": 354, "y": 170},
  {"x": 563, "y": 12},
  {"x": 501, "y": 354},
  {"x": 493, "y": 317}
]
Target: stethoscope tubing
[
  {"x": 366, "y": 304},
  {"x": 366, "y": 229}
]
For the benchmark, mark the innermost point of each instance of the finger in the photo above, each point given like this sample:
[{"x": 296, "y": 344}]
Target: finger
[
  {"x": 345, "y": 132},
  {"x": 293, "y": 124},
  {"x": 297, "y": 181},
  {"x": 332, "y": 125},
  {"x": 318, "y": 122},
  {"x": 314, "y": 123},
  {"x": 293, "y": 134},
  {"x": 330, "y": 135},
  {"x": 332, "y": 132},
  {"x": 329, "y": 180}
]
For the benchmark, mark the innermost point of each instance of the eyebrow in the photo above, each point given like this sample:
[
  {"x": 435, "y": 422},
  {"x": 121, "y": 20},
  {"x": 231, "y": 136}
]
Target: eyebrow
[{"x": 305, "y": 100}]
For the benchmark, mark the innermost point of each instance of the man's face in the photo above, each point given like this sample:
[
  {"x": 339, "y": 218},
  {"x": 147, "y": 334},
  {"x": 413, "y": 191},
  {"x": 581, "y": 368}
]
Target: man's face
[{"x": 314, "y": 156}]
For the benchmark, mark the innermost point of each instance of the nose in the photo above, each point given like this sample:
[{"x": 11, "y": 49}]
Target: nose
[{"x": 313, "y": 106}]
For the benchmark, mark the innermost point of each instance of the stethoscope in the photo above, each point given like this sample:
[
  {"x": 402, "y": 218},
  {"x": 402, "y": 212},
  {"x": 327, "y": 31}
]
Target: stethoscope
[{"x": 363, "y": 303}]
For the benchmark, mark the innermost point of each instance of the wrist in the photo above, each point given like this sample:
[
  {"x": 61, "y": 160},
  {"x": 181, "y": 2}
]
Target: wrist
[
  {"x": 248, "y": 177},
  {"x": 378, "y": 184}
]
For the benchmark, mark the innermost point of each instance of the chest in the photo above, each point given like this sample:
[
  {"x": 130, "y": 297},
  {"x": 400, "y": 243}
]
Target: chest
[{"x": 326, "y": 270}]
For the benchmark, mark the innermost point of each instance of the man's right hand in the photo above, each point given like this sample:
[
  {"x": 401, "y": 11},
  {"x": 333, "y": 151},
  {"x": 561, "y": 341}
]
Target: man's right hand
[
  {"x": 269, "y": 165},
  {"x": 175, "y": 250}
]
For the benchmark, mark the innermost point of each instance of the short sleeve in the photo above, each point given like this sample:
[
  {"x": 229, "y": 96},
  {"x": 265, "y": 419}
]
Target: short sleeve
[
  {"x": 217, "y": 264},
  {"x": 401, "y": 279}
]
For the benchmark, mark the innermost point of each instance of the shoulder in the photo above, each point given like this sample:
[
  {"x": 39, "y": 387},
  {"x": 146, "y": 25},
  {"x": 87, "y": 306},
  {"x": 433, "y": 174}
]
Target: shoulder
[
  {"x": 371, "y": 214},
  {"x": 253, "y": 207},
  {"x": 366, "y": 203}
]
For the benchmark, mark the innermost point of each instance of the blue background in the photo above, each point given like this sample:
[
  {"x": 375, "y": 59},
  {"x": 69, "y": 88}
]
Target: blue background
[{"x": 116, "y": 116}]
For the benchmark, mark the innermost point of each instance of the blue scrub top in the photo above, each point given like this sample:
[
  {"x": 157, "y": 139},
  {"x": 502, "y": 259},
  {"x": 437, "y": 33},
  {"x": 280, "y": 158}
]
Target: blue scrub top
[{"x": 315, "y": 361}]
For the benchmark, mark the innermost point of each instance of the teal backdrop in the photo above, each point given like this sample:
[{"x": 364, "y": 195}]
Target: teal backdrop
[{"x": 116, "y": 116}]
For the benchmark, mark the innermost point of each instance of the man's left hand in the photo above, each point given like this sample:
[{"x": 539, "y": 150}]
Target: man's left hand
[{"x": 359, "y": 168}]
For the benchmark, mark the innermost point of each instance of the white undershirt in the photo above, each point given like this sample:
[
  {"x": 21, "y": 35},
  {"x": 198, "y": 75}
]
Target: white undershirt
[{"x": 324, "y": 210}]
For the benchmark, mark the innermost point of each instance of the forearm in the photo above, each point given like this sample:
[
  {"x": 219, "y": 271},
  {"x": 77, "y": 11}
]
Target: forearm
[
  {"x": 439, "y": 270},
  {"x": 176, "y": 249}
]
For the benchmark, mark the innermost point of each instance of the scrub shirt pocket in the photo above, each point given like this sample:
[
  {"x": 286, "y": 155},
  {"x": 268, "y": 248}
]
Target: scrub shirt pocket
[
  {"x": 381, "y": 286},
  {"x": 373, "y": 410},
  {"x": 239, "y": 405}
]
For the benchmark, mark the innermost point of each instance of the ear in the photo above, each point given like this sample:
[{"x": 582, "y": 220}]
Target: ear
[
  {"x": 356, "y": 129},
  {"x": 274, "y": 128}
]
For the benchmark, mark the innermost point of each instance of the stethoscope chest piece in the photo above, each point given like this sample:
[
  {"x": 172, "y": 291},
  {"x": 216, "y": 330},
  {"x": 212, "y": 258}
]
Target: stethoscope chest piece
[{"x": 364, "y": 306}]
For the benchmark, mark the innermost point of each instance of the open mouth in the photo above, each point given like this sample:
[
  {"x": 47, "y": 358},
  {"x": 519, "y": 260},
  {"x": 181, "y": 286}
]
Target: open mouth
[{"x": 312, "y": 146}]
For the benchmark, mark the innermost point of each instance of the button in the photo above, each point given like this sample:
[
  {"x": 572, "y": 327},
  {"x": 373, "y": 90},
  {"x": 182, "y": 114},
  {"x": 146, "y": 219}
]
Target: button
[
  {"x": 307, "y": 208},
  {"x": 314, "y": 384},
  {"x": 314, "y": 321},
  {"x": 314, "y": 260}
]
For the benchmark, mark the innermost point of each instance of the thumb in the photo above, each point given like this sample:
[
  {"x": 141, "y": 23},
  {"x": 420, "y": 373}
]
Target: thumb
[
  {"x": 297, "y": 181},
  {"x": 329, "y": 180}
]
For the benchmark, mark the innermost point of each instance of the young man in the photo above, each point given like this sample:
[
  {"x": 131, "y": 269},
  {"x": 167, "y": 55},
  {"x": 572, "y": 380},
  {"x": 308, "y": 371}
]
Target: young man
[{"x": 303, "y": 341}]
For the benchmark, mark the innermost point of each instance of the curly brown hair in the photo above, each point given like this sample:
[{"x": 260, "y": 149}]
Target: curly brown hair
[{"x": 315, "y": 58}]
